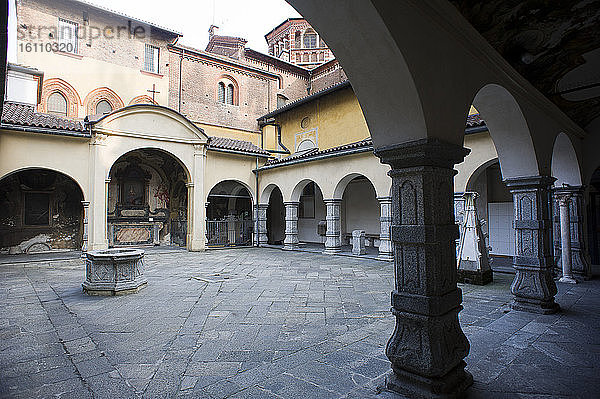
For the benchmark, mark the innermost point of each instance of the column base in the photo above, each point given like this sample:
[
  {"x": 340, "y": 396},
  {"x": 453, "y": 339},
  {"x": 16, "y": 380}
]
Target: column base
[
  {"x": 477, "y": 277},
  {"x": 197, "y": 246},
  {"x": 331, "y": 251},
  {"x": 451, "y": 385},
  {"x": 386, "y": 257},
  {"x": 533, "y": 306},
  {"x": 568, "y": 280},
  {"x": 290, "y": 247}
]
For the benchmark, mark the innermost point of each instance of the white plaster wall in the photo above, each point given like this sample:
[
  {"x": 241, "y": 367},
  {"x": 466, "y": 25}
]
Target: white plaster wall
[
  {"x": 361, "y": 209},
  {"x": 482, "y": 151},
  {"x": 502, "y": 234},
  {"x": 307, "y": 228}
]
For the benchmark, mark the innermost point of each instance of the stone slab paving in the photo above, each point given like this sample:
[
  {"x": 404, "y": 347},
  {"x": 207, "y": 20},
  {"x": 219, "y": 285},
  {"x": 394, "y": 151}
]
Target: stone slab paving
[{"x": 265, "y": 323}]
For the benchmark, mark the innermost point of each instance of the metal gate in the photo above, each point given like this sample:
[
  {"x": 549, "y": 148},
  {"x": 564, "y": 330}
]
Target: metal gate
[{"x": 229, "y": 232}]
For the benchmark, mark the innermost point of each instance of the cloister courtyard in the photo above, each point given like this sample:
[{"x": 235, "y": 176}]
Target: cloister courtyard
[{"x": 267, "y": 323}]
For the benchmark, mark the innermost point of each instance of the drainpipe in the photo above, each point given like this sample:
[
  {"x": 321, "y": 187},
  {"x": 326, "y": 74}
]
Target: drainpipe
[
  {"x": 256, "y": 205},
  {"x": 180, "y": 78},
  {"x": 271, "y": 122}
]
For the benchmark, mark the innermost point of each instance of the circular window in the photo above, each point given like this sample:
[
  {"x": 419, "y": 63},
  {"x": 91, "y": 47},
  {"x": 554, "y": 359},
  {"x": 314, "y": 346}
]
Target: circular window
[{"x": 305, "y": 122}]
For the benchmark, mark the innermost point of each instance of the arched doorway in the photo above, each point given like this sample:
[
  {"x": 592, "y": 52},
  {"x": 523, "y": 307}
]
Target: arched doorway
[
  {"x": 276, "y": 218},
  {"x": 229, "y": 219},
  {"x": 360, "y": 211},
  {"x": 147, "y": 200},
  {"x": 312, "y": 225},
  {"x": 40, "y": 210}
]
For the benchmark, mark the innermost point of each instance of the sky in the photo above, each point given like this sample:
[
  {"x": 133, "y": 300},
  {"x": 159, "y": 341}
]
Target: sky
[{"x": 250, "y": 19}]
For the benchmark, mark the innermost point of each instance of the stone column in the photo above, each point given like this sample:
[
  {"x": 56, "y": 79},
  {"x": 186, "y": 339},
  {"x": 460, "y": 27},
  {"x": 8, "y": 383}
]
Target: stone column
[
  {"x": 84, "y": 243},
  {"x": 580, "y": 264},
  {"x": 564, "y": 200},
  {"x": 533, "y": 286},
  {"x": 386, "y": 251},
  {"x": 261, "y": 224},
  {"x": 333, "y": 243},
  {"x": 291, "y": 225},
  {"x": 428, "y": 346},
  {"x": 197, "y": 211}
]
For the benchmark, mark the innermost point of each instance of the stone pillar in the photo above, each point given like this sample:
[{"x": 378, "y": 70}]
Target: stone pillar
[
  {"x": 533, "y": 286},
  {"x": 333, "y": 243},
  {"x": 386, "y": 251},
  {"x": 291, "y": 225},
  {"x": 98, "y": 194},
  {"x": 84, "y": 240},
  {"x": 580, "y": 264},
  {"x": 197, "y": 211},
  {"x": 472, "y": 257},
  {"x": 261, "y": 224},
  {"x": 564, "y": 200},
  {"x": 428, "y": 346}
]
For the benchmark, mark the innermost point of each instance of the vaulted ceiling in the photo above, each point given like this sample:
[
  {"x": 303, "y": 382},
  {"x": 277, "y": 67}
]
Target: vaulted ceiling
[{"x": 554, "y": 44}]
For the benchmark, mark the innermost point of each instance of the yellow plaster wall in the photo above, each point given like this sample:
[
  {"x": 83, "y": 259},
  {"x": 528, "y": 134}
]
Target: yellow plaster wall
[
  {"x": 335, "y": 119},
  {"x": 232, "y": 133},
  {"x": 482, "y": 152}
]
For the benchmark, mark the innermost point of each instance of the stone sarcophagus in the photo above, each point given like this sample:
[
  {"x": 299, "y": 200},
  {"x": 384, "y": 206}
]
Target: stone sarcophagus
[{"x": 114, "y": 272}]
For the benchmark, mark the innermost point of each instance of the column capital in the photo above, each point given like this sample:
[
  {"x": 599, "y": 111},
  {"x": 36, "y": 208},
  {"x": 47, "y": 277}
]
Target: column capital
[
  {"x": 264, "y": 206},
  {"x": 424, "y": 152},
  {"x": 384, "y": 199},
  {"x": 291, "y": 203},
  {"x": 107, "y": 180},
  {"x": 85, "y": 203},
  {"x": 528, "y": 182},
  {"x": 189, "y": 185},
  {"x": 332, "y": 200}
]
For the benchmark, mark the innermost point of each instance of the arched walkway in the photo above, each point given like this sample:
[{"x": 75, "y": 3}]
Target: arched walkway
[
  {"x": 41, "y": 210},
  {"x": 148, "y": 199},
  {"x": 229, "y": 219}
]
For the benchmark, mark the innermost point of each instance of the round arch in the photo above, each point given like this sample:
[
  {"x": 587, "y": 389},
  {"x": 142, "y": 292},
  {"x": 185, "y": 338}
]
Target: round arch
[
  {"x": 565, "y": 163},
  {"x": 143, "y": 99},
  {"x": 53, "y": 169},
  {"x": 246, "y": 186},
  {"x": 299, "y": 187},
  {"x": 57, "y": 85},
  {"x": 509, "y": 131},
  {"x": 338, "y": 192},
  {"x": 100, "y": 94},
  {"x": 227, "y": 80},
  {"x": 266, "y": 193},
  {"x": 117, "y": 156},
  {"x": 477, "y": 172}
]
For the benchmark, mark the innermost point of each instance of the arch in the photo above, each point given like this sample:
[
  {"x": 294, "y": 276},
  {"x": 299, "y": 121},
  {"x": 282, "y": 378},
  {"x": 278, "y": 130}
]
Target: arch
[
  {"x": 297, "y": 190},
  {"x": 565, "y": 163},
  {"x": 143, "y": 99},
  {"x": 227, "y": 80},
  {"x": 338, "y": 193},
  {"x": 362, "y": 24},
  {"x": 117, "y": 157},
  {"x": 52, "y": 169},
  {"x": 266, "y": 193},
  {"x": 100, "y": 94},
  {"x": 246, "y": 186},
  {"x": 509, "y": 131},
  {"x": 473, "y": 177},
  {"x": 57, "y": 85},
  {"x": 57, "y": 104}
]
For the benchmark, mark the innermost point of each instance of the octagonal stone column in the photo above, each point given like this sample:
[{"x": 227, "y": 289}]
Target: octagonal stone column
[
  {"x": 86, "y": 212},
  {"x": 291, "y": 225},
  {"x": 261, "y": 224},
  {"x": 428, "y": 346},
  {"x": 564, "y": 200},
  {"x": 333, "y": 243},
  {"x": 533, "y": 286},
  {"x": 580, "y": 264},
  {"x": 386, "y": 251}
]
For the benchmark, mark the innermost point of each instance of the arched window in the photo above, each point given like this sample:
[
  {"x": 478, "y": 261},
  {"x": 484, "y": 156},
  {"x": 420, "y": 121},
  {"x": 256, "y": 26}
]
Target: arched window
[
  {"x": 313, "y": 57},
  {"x": 310, "y": 39},
  {"x": 305, "y": 145},
  {"x": 286, "y": 44},
  {"x": 103, "y": 107},
  {"x": 57, "y": 104},
  {"x": 297, "y": 39},
  {"x": 298, "y": 57},
  {"x": 221, "y": 92},
  {"x": 229, "y": 95},
  {"x": 305, "y": 57},
  {"x": 321, "y": 56}
]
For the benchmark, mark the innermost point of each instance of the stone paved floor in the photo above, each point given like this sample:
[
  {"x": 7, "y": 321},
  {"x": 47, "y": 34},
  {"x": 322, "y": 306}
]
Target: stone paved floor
[{"x": 264, "y": 323}]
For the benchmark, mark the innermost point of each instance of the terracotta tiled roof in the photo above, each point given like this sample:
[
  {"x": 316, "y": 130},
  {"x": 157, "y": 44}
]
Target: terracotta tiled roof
[
  {"x": 18, "y": 114},
  {"x": 224, "y": 143},
  {"x": 315, "y": 152},
  {"x": 475, "y": 120}
]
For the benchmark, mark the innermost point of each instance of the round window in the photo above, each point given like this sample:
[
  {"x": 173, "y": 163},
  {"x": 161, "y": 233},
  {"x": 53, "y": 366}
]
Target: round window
[{"x": 305, "y": 122}]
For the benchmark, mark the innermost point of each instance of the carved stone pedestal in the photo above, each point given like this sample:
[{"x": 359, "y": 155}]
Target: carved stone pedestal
[
  {"x": 428, "y": 346},
  {"x": 386, "y": 251},
  {"x": 533, "y": 286},
  {"x": 333, "y": 243},
  {"x": 114, "y": 272},
  {"x": 261, "y": 224}
]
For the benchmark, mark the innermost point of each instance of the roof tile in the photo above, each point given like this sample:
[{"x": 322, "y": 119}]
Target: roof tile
[
  {"x": 24, "y": 115},
  {"x": 225, "y": 143}
]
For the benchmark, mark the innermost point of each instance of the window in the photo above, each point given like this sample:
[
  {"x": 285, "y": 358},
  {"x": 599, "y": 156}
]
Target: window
[
  {"x": 305, "y": 145},
  {"x": 298, "y": 57},
  {"x": 57, "y": 104},
  {"x": 103, "y": 107},
  {"x": 313, "y": 57},
  {"x": 221, "y": 91},
  {"x": 67, "y": 36},
  {"x": 310, "y": 39},
  {"x": 306, "y": 210},
  {"x": 229, "y": 94},
  {"x": 305, "y": 57},
  {"x": 297, "y": 37},
  {"x": 151, "y": 59},
  {"x": 37, "y": 209},
  {"x": 321, "y": 56}
]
